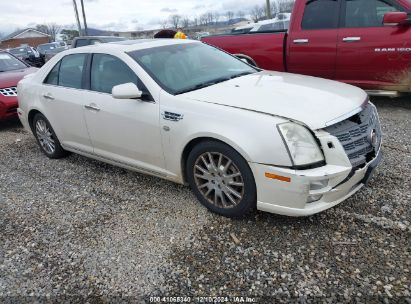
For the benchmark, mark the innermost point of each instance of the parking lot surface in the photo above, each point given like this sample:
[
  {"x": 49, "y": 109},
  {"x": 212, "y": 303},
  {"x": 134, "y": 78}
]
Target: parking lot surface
[{"x": 78, "y": 227}]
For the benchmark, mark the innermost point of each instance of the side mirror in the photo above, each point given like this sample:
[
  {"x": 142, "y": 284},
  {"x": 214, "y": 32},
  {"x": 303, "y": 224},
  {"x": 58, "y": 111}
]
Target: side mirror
[
  {"x": 395, "y": 19},
  {"x": 126, "y": 91}
]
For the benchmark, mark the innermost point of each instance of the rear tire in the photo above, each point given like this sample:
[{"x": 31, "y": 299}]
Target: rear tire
[
  {"x": 221, "y": 179},
  {"x": 46, "y": 138}
]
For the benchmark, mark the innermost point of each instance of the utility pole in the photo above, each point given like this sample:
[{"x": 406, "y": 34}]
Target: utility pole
[
  {"x": 268, "y": 9},
  {"x": 77, "y": 17},
  {"x": 84, "y": 18}
]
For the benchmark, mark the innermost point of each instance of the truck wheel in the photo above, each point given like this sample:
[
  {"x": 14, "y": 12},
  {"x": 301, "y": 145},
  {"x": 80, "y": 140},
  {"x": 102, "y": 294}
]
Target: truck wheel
[
  {"x": 221, "y": 179},
  {"x": 46, "y": 138}
]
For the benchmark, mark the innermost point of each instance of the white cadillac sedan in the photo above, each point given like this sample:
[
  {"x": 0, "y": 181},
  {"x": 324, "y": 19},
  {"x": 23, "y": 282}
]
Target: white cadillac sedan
[{"x": 190, "y": 113}]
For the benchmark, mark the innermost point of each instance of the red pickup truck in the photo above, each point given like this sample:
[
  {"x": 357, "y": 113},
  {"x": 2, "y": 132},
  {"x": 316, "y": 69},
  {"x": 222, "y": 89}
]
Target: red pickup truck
[{"x": 366, "y": 43}]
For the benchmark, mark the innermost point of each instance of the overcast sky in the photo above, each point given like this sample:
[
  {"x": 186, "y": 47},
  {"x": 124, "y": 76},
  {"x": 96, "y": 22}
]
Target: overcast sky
[{"x": 109, "y": 14}]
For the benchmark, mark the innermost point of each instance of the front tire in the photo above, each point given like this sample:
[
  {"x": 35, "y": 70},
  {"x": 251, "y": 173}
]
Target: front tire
[
  {"x": 46, "y": 138},
  {"x": 221, "y": 179}
]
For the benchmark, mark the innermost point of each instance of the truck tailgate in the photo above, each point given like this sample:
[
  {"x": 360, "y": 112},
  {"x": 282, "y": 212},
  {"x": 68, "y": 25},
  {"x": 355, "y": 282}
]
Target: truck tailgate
[{"x": 266, "y": 49}]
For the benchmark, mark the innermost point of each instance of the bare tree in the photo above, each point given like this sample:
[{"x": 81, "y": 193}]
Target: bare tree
[
  {"x": 282, "y": 6},
  {"x": 51, "y": 29},
  {"x": 204, "y": 20},
  {"x": 185, "y": 22},
  {"x": 240, "y": 14},
  {"x": 229, "y": 15},
  {"x": 257, "y": 13},
  {"x": 210, "y": 17},
  {"x": 164, "y": 24},
  {"x": 195, "y": 21},
  {"x": 175, "y": 20},
  {"x": 217, "y": 17}
]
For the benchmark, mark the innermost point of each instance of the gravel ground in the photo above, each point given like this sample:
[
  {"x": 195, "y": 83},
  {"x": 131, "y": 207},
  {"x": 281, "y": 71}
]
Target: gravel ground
[{"x": 77, "y": 227}]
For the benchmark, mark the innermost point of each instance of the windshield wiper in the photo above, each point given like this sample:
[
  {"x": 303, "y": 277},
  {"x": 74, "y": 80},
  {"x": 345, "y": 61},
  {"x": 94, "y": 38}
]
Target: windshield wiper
[{"x": 203, "y": 85}]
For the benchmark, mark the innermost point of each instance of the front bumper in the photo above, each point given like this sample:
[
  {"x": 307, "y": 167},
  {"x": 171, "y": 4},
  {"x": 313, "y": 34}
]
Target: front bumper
[
  {"x": 8, "y": 107},
  {"x": 290, "y": 196}
]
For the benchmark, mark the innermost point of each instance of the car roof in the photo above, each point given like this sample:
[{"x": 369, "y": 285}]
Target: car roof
[{"x": 131, "y": 45}]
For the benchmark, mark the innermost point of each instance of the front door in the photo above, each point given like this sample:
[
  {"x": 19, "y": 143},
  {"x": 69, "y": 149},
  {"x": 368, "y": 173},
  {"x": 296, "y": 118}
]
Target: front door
[
  {"x": 312, "y": 45},
  {"x": 125, "y": 131},
  {"x": 370, "y": 54}
]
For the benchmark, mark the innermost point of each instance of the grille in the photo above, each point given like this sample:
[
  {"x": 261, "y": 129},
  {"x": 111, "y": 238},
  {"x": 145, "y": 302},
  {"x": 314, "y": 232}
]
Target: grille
[
  {"x": 360, "y": 135},
  {"x": 9, "y": 91}
]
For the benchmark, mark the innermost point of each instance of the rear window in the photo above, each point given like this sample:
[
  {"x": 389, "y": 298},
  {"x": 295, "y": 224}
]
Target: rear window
[{"x": 320, "y": 14}]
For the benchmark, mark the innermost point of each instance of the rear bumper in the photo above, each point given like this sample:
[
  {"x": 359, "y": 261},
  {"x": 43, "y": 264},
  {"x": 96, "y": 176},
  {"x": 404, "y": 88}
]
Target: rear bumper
[{"x": 291, "y": 198}]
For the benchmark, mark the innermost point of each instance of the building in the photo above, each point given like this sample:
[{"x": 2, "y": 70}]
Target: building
[{"x": 28, "y": 36}]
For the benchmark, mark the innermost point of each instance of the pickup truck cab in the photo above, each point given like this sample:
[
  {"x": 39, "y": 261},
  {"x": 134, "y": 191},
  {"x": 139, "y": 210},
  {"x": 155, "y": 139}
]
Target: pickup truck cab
[{"x": 366, "y": 43}]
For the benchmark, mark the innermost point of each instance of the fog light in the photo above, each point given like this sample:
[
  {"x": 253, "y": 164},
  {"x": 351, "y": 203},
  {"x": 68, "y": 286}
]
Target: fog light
[
  {"x": 319, "y": 184},
  {"x": 314, "y": 198}
]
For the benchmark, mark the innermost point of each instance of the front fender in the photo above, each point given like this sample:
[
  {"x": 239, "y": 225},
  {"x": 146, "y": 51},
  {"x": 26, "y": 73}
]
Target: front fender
[{"x": 253, "y": 135}]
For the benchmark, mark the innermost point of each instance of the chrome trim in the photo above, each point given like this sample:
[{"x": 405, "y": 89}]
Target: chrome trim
[
  {"x": 383, "y": 93},
  {"x": 352, "y": 39},
  {"x": 300, "y": 41}
]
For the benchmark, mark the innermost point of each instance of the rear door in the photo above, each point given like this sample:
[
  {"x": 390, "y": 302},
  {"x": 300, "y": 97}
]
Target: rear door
[
  {"x": 370, "y": 54},
  {"x": 63, "y": 96},
  {"x": 312, "y": 43}
]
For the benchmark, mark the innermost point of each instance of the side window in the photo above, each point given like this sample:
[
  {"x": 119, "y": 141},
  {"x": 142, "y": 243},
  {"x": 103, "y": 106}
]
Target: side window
[
  {"x": 108, "y": 71},
  {"x": 320, "y": 14},
  {"x": 53, "y": 77},
  {"x": 71, "y": 71},
  {"x": 366, "y": 13},
  {"x": 82, "y": 42}
]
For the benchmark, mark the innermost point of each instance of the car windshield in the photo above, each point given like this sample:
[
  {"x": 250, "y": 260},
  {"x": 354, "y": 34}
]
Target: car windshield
[
  {"x": 9, "y": 63},
  {"x": 182, "y": 68}
]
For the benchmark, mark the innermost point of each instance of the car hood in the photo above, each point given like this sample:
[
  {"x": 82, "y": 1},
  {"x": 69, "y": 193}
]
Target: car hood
[
  {"x": 11, "y": 78},
  {"x": 313, "y": 101}
]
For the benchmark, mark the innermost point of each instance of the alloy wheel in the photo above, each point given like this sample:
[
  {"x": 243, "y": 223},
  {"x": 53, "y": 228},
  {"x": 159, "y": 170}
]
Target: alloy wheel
[
  {"x": 45, "y": 137},
  {"x": 219, "y": 180}
]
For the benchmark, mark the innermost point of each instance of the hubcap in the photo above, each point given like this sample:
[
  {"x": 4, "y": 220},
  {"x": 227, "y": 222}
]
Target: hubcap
[
  {"x": 45, "y": 137},
  {"x": 219, "y": 180}
]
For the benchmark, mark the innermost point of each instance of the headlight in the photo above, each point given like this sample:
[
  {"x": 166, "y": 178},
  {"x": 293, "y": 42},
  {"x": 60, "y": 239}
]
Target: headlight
[{"x": 301, "y": 144}]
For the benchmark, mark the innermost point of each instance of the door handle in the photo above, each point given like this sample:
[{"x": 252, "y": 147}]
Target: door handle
[
  {"x": 352, "y": 39},
  {"x": 48, "y": 96},
  {"x": 92, "y": 107},
  {"x": 300, "y": 41}
]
